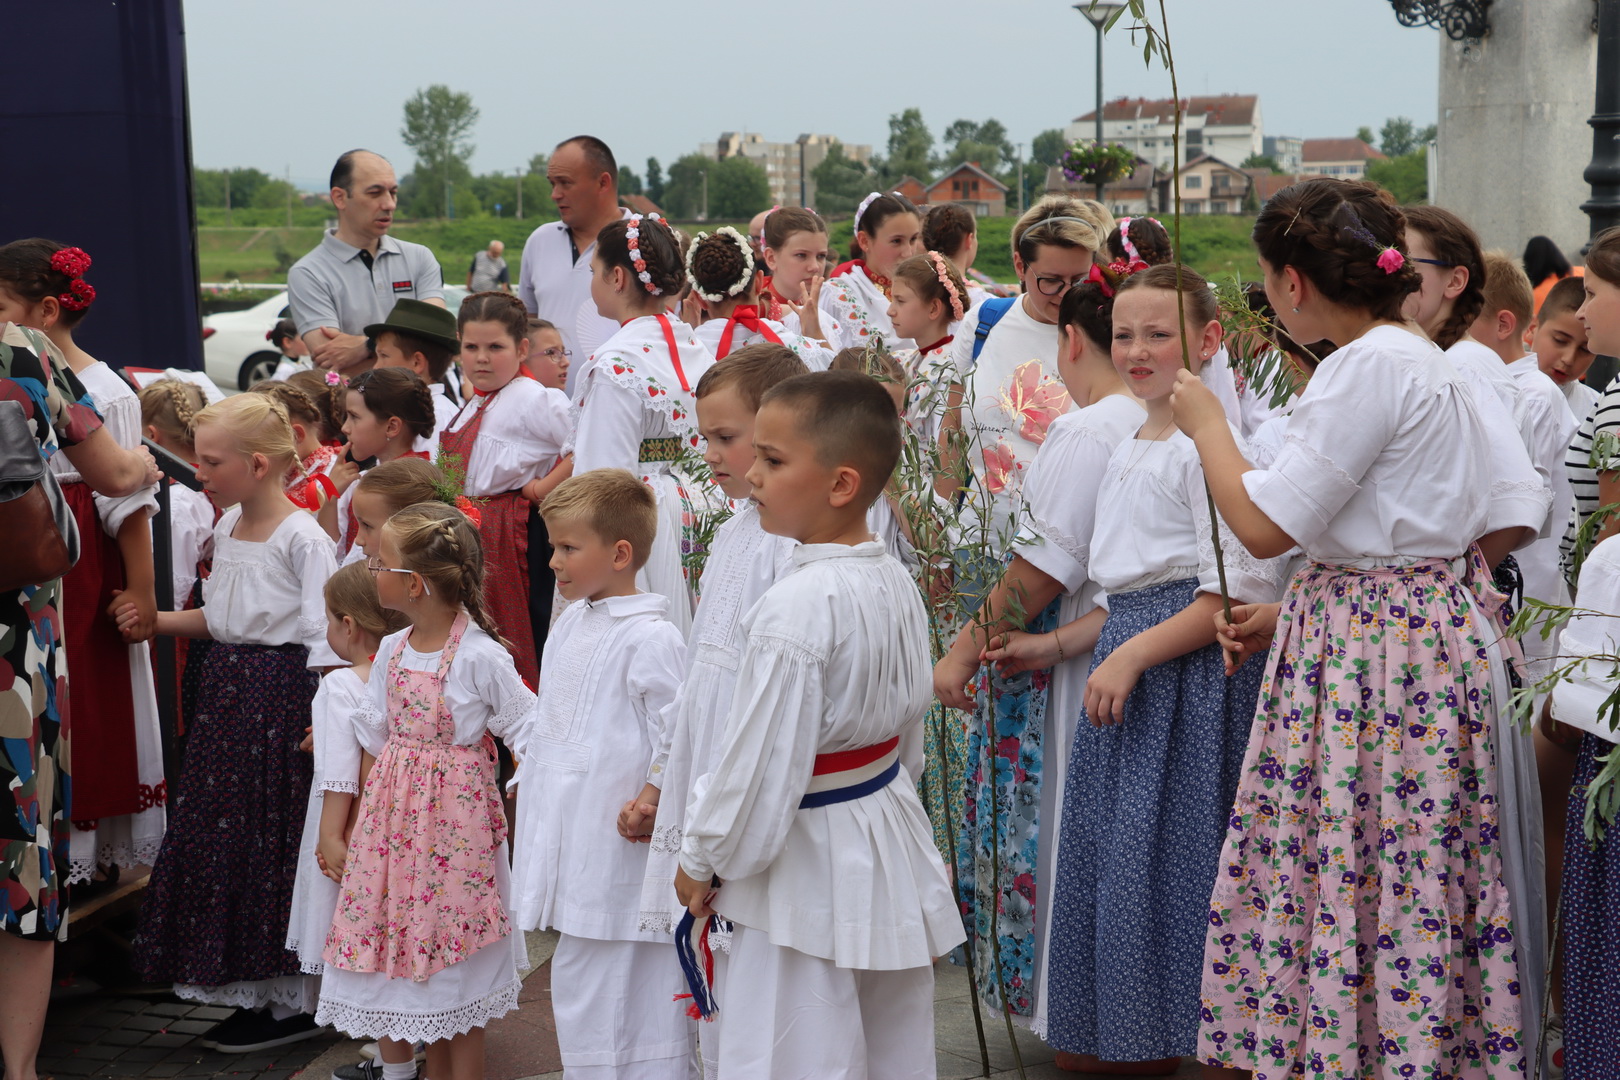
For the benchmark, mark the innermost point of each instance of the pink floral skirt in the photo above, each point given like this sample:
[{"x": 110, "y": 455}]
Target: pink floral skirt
[{"x": 1359, "y": 925}]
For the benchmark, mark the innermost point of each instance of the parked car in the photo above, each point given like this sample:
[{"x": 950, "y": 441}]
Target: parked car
[{"x": 236, "y": 347}]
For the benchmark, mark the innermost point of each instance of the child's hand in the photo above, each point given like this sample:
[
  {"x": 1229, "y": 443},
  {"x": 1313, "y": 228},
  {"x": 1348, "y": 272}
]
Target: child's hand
[
  {"x": 692, "y": 311},
  {"x": 1016, "y": 651},
  {"x": 344, "y": 473},
  {"x": 951, "y": 678},
  {"x": 1194, "y": 406},
  {"x": 1250, "y": 632},
  {"x": 134, "y": 613},
  {"x": 308, "y": 745},
  {"x": 1109, "y": 686},
  {"x": 696, "y": 895},
  {"x": 331, "y": 852},
  {"x": 637, "y": 817}
]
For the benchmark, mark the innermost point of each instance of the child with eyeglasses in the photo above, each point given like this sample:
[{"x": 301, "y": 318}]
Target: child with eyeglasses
[{"x": 548, "y": 356}]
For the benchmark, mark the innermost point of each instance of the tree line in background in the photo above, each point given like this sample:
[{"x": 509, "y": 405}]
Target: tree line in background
[{"x": 438, "y": 126}]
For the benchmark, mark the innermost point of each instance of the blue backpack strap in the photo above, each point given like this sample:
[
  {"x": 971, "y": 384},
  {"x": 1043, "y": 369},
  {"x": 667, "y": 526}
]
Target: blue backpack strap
[{"x": 990, "y": 313}]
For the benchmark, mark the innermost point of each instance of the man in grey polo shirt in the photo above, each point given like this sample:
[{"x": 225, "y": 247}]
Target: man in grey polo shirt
[
  {"x": 554, "y": 278},
  {"x": 353, "y": 276}
]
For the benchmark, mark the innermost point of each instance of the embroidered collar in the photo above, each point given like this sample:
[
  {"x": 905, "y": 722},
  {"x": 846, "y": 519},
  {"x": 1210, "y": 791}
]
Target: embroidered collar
[{"x": 805, "y": 554}]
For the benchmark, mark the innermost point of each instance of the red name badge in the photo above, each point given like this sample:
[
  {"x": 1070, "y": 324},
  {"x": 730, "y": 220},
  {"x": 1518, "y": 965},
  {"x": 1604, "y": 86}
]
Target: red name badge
[{"x": 402, "y": 286}]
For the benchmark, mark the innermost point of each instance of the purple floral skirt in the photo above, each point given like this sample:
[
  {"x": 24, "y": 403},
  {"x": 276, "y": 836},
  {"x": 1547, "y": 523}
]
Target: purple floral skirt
[
  {"x": 1359, "y": 925},
  {"x": 221, "y": 892}
]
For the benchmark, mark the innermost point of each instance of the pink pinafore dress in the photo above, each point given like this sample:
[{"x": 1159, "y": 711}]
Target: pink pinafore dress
[{"x": 419, "y": 888}]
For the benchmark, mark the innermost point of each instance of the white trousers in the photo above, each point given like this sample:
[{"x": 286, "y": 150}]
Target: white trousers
[
  {"x": 616, "y": 1013},
  {"x": 790, "y": 1016}
]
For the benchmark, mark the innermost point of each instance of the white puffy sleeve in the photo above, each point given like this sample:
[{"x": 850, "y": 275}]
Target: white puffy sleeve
[
  {"x": 313, "y": 562},
  {"x": 1248, "y": 579},
  {"x": 607, "y": 431},
  {"x": 1347, "y": 415},
  {"x": 739, "y": 823},
  {"x": 1578, "y": 700},
  {"x": 1519, "y": 495},
  {"x": 655, "y": 683},
  {"x": 341, "y": 698},
  {"x": 370, "y": 716},
  {"x": 816, "y": 356},
  {"x": 121, "y": 416},
  {"x": 484, "y": 691},
  {"x": 191, "y": 538},
  {"x": 1060, "y": 492},
  {"x": 547, "y": 423}
]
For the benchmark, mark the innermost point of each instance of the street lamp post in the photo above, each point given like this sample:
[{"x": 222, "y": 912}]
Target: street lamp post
[
  {"x": 1604, "y": 171},
  {"x": 1098, "y": 15}
]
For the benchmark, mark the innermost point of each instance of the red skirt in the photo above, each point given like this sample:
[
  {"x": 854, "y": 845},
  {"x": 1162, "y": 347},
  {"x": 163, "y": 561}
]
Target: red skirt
[
  {"x": 105, "y": 780},
  {"x": 504, "y": 530}
]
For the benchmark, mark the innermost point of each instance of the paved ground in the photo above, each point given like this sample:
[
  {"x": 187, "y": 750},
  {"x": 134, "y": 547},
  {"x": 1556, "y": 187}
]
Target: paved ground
[{"x": 144, "y": 1032}]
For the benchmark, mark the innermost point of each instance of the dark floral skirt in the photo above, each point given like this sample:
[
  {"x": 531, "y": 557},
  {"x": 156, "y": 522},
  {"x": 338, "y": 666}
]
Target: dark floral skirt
[{"x": 217, "y": 907}]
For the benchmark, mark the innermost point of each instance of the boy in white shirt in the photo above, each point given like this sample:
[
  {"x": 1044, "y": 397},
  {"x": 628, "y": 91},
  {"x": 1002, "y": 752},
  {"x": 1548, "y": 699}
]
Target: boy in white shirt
[
  {"x": 610, "y": 667},
  {"x": 811, "y": 820}
]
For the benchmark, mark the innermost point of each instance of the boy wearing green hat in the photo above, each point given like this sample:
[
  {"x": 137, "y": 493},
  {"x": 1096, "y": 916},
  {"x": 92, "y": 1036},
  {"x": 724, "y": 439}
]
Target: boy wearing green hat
[{"x": 422, "y": 336}]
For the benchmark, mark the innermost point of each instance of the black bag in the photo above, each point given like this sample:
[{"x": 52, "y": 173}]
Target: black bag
[{"x": 39, "y": 540}]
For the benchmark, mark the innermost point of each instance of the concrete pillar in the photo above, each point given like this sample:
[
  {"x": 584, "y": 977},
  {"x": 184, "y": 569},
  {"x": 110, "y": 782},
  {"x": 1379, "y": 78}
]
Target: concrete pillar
[{"x": 1513, "y": 137}]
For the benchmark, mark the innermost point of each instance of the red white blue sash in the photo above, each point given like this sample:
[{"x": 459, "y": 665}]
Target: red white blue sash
[{"x": 852, "y": 774}]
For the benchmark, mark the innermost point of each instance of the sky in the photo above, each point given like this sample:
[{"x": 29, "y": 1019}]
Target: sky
[{"x": 286, "y": 86}]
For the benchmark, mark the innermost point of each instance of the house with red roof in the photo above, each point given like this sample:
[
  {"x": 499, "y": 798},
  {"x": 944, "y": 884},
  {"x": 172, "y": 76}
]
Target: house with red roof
[
  {"x": 1226, "y": 126},
  {"x": 1345, "y": 158}
]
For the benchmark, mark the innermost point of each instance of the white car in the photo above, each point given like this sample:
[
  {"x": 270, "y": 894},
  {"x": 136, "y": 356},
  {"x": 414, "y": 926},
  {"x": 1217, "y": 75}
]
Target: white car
[{"x": 236, "y": 344}]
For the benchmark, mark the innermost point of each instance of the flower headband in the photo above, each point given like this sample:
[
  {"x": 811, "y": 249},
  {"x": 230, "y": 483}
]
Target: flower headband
[
  {"x": 1108, "y": 280},
  {"x": 632, "y": 239},
  {"x": 748, "y": 264},
  {"x": 941, "y": 272},
  {"x": 71, "y": 263},
  {"x": 860, "y": 211}
]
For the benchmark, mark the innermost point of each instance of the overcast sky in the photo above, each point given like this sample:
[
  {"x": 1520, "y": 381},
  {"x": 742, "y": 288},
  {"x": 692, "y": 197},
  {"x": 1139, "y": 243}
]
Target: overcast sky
[{"x": 292, "y": 84}]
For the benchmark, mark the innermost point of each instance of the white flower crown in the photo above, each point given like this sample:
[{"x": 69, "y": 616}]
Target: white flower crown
[{"x": 748, "y": 264}]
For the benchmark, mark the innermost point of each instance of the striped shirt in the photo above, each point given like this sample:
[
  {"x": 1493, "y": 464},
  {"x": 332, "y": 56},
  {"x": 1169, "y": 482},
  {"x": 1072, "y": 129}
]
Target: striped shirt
[{"x": 1583, "y": 478}]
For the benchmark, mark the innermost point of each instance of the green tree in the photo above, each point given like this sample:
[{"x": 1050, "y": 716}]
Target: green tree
[
  {"x": 629, "y": 182},
  {"x": 1397, "y": 137},
  {"x": 1427, "y": 135},
  {"x": 655, "y": 181},
  {"x": 447, "y": 193},
  {"x": 841, "y": 181},
  {"x": 983, "y": 142},
  {"x": 738, "y": 189},
  {"x": 1405, "y": 177},
  {"x": 1260, "y": 161},
  {"x": 209, "y": 186},
  {"x": 1048, "y": 147},
  {"x": 684, "y": 191},
  {"x": 1365, "y": 135},
  {"x": 438, "y": 123},
  {"x": 272, "y": 195},
  {"x": 911, "y": 146}
]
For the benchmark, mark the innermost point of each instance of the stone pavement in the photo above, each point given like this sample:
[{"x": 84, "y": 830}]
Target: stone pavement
[{"x": 129, "y": 1034}]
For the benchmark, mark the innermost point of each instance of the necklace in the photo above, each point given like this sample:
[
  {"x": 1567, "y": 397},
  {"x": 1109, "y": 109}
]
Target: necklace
[{"x": 1136, "y": 458}]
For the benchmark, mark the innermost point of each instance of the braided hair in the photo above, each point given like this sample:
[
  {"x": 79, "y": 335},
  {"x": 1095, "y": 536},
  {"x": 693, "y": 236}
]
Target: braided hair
[
  {"x": 171, "y": 406},
  {"x": 1321, "y": 226},
  {"x": 723, "y": 264},
  {"x": 1455, "y": 244},
  {"x": 439, "y": 543},
  {"x": 659, "y": 250}
]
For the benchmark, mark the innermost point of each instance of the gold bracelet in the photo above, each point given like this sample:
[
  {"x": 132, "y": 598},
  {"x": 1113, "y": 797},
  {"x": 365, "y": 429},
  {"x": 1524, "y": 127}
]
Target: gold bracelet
[{"x": 1058, "y": 638}]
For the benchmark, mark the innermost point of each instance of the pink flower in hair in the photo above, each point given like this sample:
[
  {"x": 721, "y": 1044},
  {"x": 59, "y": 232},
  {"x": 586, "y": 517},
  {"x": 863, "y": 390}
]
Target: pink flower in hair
[{"x": 1391, "y": 260}]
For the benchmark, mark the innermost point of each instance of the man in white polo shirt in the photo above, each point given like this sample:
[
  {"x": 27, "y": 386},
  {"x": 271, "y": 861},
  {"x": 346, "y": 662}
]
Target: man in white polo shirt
[
  {"x": 353, "y": 276},
  {"x": 554, "y": 280}
]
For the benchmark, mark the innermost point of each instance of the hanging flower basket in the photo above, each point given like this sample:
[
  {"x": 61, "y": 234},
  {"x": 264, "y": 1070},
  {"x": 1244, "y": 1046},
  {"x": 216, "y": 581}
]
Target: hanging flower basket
[{"x": 1096, "y": 163}]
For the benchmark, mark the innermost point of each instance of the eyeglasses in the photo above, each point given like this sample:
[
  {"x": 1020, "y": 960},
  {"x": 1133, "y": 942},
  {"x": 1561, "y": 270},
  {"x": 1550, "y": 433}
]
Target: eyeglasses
[
  {"x": 376, "y": 567},
  {"x": 1433, "y": 262},
  {"x": 1056, "y": 286},
  {"x": 554, "y": 353}
]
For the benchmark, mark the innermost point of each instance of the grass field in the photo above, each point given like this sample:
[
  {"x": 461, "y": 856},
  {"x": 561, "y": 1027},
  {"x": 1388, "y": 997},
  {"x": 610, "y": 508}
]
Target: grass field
[{"x": 1214, "y": 246}]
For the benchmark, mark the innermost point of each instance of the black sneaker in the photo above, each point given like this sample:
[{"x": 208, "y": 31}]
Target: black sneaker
[
  {"x": 248, "y": 1031},
  {"x": 365, "y": 1070}
]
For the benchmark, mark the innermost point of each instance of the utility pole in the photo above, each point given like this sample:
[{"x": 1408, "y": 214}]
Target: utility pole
[{"x": 1604, "y": 171}]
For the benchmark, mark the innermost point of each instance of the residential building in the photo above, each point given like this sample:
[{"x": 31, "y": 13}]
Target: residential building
[
  {"x": 1286, "y": 150},
  {"x": 1208, "y": 186},
  {"x": 912, "y": 188},
  {"x": 1227, "y": 126},
  {"x": 972, "y": 187},
  {"x": 1345, "y": 158},
  {"x": 1135, "y": 194},
  {"x": 788, "y": 165},
  {"x": 1264, "y": 183}
]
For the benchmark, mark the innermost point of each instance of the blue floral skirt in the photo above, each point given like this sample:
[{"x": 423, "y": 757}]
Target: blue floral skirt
[{"x": 1144, "y": 813}]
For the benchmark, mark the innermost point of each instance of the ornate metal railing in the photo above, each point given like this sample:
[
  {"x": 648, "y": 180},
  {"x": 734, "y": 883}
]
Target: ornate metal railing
[{"x": 1459, "y": 19}]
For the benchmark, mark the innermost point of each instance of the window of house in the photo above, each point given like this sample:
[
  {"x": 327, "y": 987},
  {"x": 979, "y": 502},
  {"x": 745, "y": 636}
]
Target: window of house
[
  {"x": 1217, "y": 207},
  {"x": 1195, "y": 182}
]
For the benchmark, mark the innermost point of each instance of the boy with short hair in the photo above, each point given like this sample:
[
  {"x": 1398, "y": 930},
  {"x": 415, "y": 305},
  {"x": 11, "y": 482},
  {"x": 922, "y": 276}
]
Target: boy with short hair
[
  {"x": 610, "y": 667},
  {"x": 813, "y": 828},
  {"x": 422, "y": 337},
  {"x": 1557, "y": 339}
]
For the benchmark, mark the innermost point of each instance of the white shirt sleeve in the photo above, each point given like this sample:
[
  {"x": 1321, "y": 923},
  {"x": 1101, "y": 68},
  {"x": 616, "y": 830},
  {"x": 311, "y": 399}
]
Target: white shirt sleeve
[
  {"x": 316, "y": 562},
  {"x": 1248, "y": 579},
  {"x": 1579, "y": 699},
  {"x": 655, "y": 683},
  {"x": 484, "y": 690},
  {"x": 740, "y": 823},
  {"x": 1060, "y": 492},
  {"x": 122, "y": 418},
  {"x": 526, "y": 272},
  {"x": 371, "y": 712},
  {"x": 608, "y": 435},
  {"x": 337, "y": 739}
]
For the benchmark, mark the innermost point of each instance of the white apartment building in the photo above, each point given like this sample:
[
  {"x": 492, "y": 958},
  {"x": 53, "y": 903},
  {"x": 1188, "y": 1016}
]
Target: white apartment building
[
  {"x": 787, "y": 165},
  {"x": 1226, "y": 126}
]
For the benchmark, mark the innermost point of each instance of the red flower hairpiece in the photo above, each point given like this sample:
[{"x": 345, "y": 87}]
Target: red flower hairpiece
[
  {"x": 465, "y": 505},
  {"x": 79, "y": 296},
  {"x": 71, "y": 262}
]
